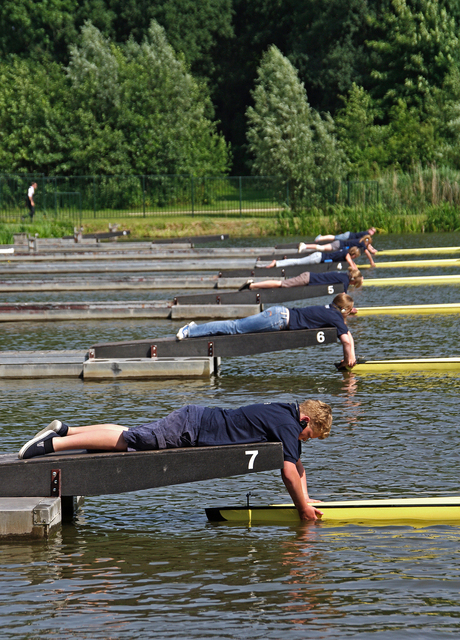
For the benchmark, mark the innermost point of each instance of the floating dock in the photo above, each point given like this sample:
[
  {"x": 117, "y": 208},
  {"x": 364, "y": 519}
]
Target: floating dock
[
  {"x": 29, "y": 517},
  {"x": 33, "y": 493},
  {"x": 120, "y": 310},
  {"x": 162, "y": 358},
  {"x": 77, "y": 364},
  {"x": 215, "y": 346},
  {"x": 261, "y": 296},
  {"x": 114, "y": 266},
  {"x": 403, "y": 511},
  {"x": 285, "y": 272},
  {"x": 83, "y": 473},
  {"x": 126, "y": 283}
]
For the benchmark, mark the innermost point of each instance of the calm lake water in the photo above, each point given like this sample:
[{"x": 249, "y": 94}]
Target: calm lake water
[{"x": 149, "y": 564}]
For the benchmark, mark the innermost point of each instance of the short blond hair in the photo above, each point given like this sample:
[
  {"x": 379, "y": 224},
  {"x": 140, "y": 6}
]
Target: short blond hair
[
  {"x": 354, "y": 252},
  {"x": 320, "y": 415}
]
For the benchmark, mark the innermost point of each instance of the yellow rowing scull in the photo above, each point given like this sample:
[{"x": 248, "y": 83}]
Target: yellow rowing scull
[{"x": 390, "y": 511}]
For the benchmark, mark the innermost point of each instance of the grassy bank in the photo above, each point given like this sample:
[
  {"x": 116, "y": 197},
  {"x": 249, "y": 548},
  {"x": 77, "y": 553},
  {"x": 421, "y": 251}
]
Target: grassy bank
[{"x": 443, "y": 217}]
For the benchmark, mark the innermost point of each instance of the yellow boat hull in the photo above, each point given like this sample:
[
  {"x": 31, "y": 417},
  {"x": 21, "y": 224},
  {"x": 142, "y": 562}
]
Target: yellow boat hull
[
  {"x": 419, "y": 364},
  {"x": 414, "y": 511},
  {"x": 413, "y": 309},
  {"x": 419, "y": 251},
  {"x": 414, "y": 281},
  {"x": 400, "y": 264}
]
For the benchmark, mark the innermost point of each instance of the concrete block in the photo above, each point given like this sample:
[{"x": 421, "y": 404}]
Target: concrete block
[
  {"x": 216, "y": 311},
  {"x": 29, "y": 517},
  {"x": 143, "y": 368},
  {"x": 39, "y": 369}
]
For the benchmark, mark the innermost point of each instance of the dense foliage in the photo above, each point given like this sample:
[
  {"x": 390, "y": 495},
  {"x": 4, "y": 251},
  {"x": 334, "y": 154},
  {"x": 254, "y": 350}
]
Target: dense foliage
[{"x": 96, "y": 86}]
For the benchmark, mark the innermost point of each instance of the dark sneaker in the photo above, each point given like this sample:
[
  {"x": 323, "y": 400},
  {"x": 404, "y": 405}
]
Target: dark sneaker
[
  {"x": 38, "y": 446},
  {"x": 59, "y": 428},
  {"x": 246, "y": 285}
]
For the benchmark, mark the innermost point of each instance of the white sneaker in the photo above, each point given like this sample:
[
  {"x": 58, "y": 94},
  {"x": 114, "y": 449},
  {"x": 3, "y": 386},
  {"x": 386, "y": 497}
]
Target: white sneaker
[
  {"x": 184, "y": 332},
  {"x": 302, "y": 246},
  {"x": 317, "y": 238}
]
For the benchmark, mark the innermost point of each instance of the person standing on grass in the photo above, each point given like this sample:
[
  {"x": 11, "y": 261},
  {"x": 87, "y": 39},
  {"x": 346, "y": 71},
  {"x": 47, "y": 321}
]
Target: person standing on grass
[{"x": 30, "y": 202}]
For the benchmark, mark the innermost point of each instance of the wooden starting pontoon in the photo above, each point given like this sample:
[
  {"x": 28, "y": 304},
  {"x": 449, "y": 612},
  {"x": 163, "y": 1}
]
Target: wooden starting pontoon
[
  {"x": 215, "y": 346},
  {"x": 191, "y": 239},
  {"x": 261, "y": 296},
  {"x": 84, "y": 473},
  {"x": 277, "y": 272},
  {"x": 415, "y": 511},
  {"x": 385, "y": 252}
]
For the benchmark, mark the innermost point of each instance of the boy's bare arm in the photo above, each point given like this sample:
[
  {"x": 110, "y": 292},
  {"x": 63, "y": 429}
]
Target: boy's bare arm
[{"x": 294, "y": 485}]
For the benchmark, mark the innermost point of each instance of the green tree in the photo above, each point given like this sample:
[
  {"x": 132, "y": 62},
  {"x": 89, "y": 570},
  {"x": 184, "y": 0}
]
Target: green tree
[
  {"x": 165, "y": 112},
  {"x": 37, "y": 29},
  {"x": 142, "y": 107},
  {"x": 191, "y": 27},
  {"x": 33, "y": 123},
  {"x": 285, "y": 136},
  {"x": 409, "y": 140},
  {"x": 416, "y": 50},
  {"x": 327, "y": 45},
  {"x": 360, "y": 136}
]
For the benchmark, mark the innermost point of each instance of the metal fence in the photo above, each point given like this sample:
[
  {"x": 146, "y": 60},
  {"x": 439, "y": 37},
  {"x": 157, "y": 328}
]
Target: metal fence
[{"x": 83, "y": 197}]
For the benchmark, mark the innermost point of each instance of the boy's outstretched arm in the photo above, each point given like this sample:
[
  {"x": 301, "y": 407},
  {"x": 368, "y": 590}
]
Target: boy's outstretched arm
[
  {"x": 348, "y": 345},
  {"x": 297, "y": 486}
]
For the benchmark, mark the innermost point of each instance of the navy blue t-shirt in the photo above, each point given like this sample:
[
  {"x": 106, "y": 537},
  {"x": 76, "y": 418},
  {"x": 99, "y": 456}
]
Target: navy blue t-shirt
[
  {"x": 317, "y": 317},
  {"x": 357, "y": 235},
  {"x": 355, "y": 243},
  {"x": 268, "y": 422},
  {"x": 331, "y": 277},
  {"x": 334, "y": 256}
]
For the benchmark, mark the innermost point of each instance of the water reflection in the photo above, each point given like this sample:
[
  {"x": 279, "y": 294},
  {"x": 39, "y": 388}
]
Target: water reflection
[{"x": 148, "y": 564}]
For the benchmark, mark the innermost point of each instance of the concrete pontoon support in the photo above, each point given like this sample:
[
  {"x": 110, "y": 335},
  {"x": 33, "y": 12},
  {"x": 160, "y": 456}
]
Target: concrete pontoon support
[{"x": 36, "y": 517}]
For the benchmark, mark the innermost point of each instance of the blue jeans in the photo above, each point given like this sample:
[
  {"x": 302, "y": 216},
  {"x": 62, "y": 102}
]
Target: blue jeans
[
  {"x": 273, "y": 319},
  {"x": 343, "y": 236},
  {"x": 313, "y": 258}
]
